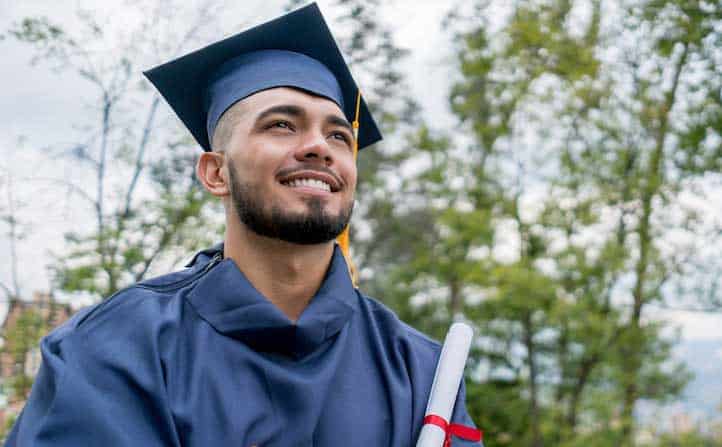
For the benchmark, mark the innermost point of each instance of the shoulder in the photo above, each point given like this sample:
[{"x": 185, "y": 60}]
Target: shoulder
[
  {"x": 407, "y": 338},
  {"x": 133, "y": 313}
]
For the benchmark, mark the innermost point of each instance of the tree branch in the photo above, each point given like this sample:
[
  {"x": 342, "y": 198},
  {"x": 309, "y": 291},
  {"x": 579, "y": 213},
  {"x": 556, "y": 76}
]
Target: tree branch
[
  {"x": 7, "y": 291},
  {"x": 141, "y": 152},
  {"x": 71, "y": 186}
]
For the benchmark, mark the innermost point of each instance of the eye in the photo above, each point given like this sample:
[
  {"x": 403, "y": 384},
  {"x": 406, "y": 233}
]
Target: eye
[
  {"x": 341, "y": 136},
  {"x": 280, "y": 124}
]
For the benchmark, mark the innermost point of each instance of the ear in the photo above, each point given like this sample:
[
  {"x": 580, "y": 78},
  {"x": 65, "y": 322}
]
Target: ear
[{"x": 211, "y": 174}]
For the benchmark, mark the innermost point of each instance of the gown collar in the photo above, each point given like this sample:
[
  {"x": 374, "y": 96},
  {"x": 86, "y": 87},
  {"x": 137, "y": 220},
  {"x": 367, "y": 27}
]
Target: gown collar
[{"x": 228, "y": 301}]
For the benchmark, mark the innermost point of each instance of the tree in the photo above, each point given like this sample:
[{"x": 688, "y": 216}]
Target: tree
[
  {"x": 134, "y": 225},
  {"x": 579, "y": 157}
]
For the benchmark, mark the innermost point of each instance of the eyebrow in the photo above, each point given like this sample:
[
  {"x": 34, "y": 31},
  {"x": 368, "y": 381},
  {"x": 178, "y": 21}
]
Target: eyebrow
[
  {"x": 281, "y": 110},
  {"x": 296, "y": 111},
  {"x": 338, "y": 121}
]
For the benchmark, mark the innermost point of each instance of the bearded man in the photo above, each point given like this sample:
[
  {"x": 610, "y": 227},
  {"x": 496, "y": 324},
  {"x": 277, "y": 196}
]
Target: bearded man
[{"x": 262, "y": 340}]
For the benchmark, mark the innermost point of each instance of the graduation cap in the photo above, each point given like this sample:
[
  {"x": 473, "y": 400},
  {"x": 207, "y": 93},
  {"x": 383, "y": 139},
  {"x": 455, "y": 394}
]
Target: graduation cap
[{"x": 295, "y": 50}]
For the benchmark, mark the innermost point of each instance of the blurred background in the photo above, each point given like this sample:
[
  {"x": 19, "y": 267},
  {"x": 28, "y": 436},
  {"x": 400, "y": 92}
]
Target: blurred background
[{"x": 551, "y": 173}]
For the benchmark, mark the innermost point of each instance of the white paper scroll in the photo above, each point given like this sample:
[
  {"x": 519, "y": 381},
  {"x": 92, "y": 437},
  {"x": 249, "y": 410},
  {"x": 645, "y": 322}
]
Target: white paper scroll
[{"x": 449, "y": 373}]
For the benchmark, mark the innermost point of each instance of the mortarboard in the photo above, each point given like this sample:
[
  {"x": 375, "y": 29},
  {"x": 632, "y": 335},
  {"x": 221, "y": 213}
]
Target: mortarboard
[{"x": 294, "y": 50}]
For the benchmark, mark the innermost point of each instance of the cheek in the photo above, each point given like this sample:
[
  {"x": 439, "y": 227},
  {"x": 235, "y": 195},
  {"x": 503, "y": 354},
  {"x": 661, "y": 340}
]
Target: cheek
[
  {"x": 345, "y": 166},
  {"x": 253, "y": 167},
  {"x": 351, "y": 174}
]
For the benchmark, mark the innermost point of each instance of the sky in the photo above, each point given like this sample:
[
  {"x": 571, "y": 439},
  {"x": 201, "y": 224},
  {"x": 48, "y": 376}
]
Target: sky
[{"x": 42, "y": 110}]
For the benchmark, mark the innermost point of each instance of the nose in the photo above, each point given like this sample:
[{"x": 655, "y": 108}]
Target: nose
[{"x": 314, "y": 149}]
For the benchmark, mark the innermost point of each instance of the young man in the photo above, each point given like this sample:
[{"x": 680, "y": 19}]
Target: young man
[{"x": 263, "y": 340}]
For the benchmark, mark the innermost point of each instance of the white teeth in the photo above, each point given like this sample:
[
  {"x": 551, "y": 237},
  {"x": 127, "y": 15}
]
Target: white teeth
[{"x": 311, "y": 183}]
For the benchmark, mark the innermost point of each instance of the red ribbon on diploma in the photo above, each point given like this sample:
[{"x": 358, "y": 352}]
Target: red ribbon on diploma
[{"x": 458, "y": 430}]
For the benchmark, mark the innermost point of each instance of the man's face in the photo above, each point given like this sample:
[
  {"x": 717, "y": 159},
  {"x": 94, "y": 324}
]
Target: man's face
[{"x": 291, "y": 166}]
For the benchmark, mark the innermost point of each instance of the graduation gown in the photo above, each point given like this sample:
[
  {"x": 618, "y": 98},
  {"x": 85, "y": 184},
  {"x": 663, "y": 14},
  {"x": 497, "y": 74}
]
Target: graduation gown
[{"x": 200, "y": 358}]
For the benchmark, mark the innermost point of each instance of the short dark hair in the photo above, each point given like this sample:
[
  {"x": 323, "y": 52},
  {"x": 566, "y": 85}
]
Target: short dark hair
[{"x": 224, "y": 129}]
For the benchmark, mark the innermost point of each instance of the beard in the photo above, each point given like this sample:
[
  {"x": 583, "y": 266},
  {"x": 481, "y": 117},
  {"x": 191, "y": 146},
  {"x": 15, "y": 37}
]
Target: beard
[{"x": 315, "y": 226}]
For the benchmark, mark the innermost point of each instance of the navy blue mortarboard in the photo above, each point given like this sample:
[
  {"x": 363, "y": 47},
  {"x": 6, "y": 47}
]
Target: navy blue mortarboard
[{"x": 295, "y": 50}]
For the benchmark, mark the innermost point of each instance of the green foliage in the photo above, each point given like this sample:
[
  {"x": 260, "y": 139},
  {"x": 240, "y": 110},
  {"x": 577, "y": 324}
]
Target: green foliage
[
  {"x": 563, "y": 347},
  {"x": 9, "y": 422},
  {"x": 19, "y": 339},
  {"x": 497, "y": 409},
  {"x": 37, "y": 30},
  {"x": 689, "y": 439}
]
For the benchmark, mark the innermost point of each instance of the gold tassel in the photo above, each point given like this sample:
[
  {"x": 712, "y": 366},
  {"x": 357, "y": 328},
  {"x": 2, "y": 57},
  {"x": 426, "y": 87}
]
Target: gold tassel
[{"x": 343, "y": 239}]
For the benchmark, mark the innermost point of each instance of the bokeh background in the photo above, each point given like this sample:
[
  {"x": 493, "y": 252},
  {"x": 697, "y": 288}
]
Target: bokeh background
[{"x": 551, "y": 173}]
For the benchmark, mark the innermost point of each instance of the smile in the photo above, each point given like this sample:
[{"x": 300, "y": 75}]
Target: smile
[
  {"x": 309, "y": 183},
  {"x": 311, "y": 179}
]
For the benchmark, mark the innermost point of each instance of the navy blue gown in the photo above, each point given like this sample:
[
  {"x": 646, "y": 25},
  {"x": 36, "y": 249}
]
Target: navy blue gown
[{"x": 200, "y": 358}]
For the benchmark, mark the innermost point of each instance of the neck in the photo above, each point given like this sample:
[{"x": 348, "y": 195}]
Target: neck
[{"x": 289, "y": 275}]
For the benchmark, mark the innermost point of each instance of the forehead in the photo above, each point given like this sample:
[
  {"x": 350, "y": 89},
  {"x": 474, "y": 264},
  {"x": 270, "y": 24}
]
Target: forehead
[{"x": 311, "y": 104}]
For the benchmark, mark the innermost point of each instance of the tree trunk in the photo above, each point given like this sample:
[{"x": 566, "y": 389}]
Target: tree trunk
[
  {"x": 654, "y": 180},
  {"x": 534, "y": 418}
]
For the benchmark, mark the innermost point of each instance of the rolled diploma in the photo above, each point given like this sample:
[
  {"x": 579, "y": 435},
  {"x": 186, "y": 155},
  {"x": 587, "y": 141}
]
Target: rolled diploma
[{"x": 449, "y": 372}]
